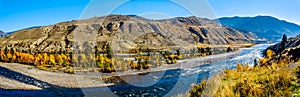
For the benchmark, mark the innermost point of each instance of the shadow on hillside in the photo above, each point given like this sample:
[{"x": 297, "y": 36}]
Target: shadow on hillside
[{"x": 47, "y": 88}]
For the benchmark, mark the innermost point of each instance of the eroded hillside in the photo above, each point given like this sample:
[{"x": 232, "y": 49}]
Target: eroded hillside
[{"x": 124, "y": 32}]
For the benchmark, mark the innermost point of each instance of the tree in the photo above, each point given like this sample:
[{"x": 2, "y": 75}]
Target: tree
[
  {"x": 178, "y": 52},
  {"x": 208, "y": 50},
  {"x": 45, "y": 59},
  {"x": 284, "y": 38},
  {"x": 255, "y": 63},
  {"x": 140, "y": 51},
  {"x": 59, "y": 60},
  {"x": 239, "y": 67},
  {"x": 108, "y": 51},
  {"x": 283, "y": 42},
  {"x": 229, "y": 49},
  {"x": 52, "y": 60},
  {"x": 12, "y": 51},
  {"x": 97, "y": 53},
  {"x": 270, "y": 54},
  {"x": 82, "y": 59},
  {"x": 5, "y": 50},
  {"x": 2, "y": 56},
  {"x": 38, "y": 59}
]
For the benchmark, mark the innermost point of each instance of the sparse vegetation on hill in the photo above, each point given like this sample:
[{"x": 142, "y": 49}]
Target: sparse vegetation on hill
[
  {"x": 126, "y": 31},
  {"x": 60, "y": 47},
  {"x": 274, "y": 80},
  {"x": 285, "y": 52},
  {"x": 277, "y": 75}
]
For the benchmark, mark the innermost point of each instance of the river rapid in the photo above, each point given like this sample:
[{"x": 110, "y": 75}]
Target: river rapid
[{"x": 174, "y": 82}]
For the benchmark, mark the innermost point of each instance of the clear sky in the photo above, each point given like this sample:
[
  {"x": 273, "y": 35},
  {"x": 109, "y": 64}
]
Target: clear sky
[{"x": 19, "y": 14}]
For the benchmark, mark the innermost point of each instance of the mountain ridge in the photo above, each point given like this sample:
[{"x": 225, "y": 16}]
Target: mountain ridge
[
  {"x": 267, "y": 27},
  {"x": 127, "y": 32}
]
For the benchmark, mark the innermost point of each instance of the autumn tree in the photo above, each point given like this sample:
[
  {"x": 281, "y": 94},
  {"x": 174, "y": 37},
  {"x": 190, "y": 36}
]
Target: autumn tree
[
  {"x": 52, "y": 60},
  {"x": 239, "y": 66},
  {"x": 270, "y": 54},
  {"x": 3, "y": 56},
  {"x": 59, "y": 60}
]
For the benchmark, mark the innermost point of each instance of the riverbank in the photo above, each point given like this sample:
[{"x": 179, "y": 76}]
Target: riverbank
[{"x": 16, "y": 76}]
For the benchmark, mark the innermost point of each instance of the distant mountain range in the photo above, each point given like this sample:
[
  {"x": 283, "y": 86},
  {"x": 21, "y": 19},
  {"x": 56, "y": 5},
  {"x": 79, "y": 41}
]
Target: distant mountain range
[
  {"x": 263, "y": 26},
  {"x": 2, "y": 34},
  {"x": 127, "y": 32}
]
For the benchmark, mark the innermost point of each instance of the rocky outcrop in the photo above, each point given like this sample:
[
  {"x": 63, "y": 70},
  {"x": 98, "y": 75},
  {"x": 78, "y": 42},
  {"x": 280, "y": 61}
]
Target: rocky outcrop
[
  {"x": 124, "y": 32},
  {"x": 286, "y": 50}
]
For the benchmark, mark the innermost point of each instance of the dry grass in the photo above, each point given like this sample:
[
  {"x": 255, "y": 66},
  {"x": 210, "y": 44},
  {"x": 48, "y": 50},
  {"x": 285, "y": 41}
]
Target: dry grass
[{"x": 274, "y": 80}]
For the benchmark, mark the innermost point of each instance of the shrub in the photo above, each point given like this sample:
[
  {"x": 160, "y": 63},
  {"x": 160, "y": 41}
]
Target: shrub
[
  {"x": 275, "y": 81},
  {"x": 239, "y": 67}
]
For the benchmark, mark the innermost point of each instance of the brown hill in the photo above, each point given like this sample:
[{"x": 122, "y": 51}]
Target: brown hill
[{"x": 124, "y": 32}]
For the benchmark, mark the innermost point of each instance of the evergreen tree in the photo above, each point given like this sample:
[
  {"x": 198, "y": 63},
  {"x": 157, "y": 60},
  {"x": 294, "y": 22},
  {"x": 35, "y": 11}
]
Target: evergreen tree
[
  {"x": 97, "y": 53},
  {"x": 255, "y": 63},
  {"x": 108, "y": 51},
  {"x": 284, "y": 38},
  {"x": 12, "y": 51},
  {"x": 283, "y": 42},
  {"x": 178, "y": 52},
  {"x": 5, "y": 50},
  {"x": 229, "y": 49}
]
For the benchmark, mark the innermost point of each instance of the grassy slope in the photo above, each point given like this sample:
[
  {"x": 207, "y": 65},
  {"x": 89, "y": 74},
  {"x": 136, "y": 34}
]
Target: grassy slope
[{"x": 274, "y": 80}]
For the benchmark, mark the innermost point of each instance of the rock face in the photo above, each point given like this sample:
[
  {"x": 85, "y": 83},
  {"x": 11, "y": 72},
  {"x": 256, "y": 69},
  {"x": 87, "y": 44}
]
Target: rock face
[
  {"x": 2, "y": 34},
  {"x": 288, "y": 50},
  {"x": 124, "y": 32},
  {"x": 263, "y": 26}
]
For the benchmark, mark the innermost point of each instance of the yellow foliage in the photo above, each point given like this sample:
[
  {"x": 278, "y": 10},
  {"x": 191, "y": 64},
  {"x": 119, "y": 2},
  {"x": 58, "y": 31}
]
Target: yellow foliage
[
  {"x": 239, "y": 67},
  {"x": 276, "y": 81},
  {"x": 270, "y": 54},
  {"x": 52, "y": 60}
]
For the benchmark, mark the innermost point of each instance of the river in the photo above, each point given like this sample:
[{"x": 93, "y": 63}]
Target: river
[{"x": 179, "y": 81}]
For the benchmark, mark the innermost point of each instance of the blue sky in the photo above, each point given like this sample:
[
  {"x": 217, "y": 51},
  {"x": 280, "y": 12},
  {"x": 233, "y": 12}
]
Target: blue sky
[{"x": 18, "y": 14}]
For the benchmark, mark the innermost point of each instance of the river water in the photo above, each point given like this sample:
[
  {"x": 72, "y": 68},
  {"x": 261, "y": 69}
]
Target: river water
[{"x": 174, "y": 82}]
